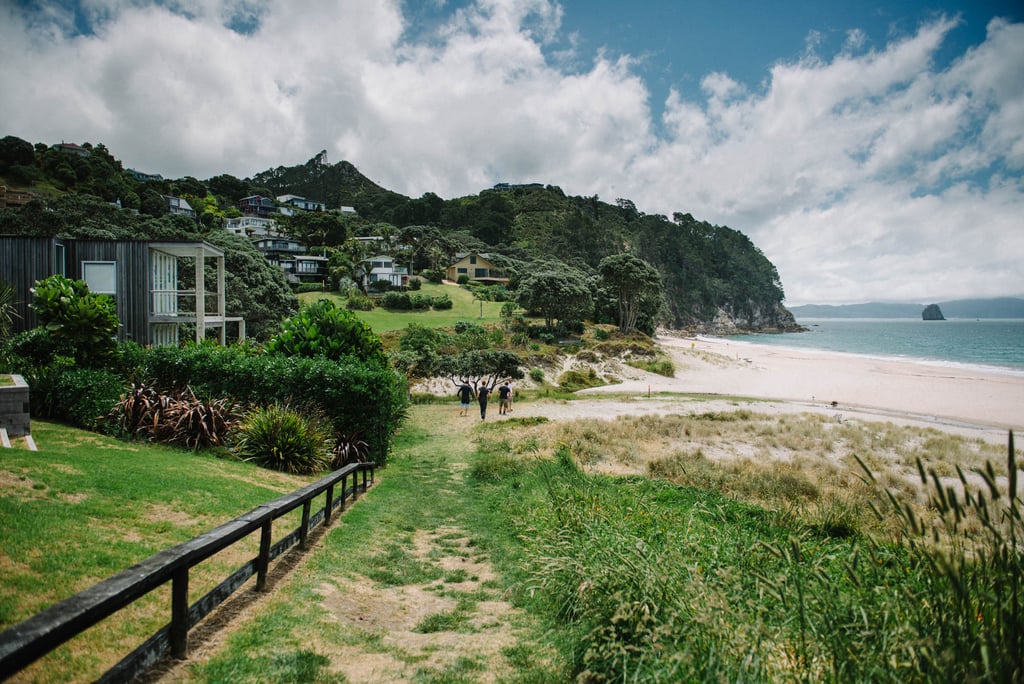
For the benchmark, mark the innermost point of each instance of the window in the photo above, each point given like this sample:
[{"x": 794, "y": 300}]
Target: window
[
  {"x": 480, "y": 272},
  {"x": 472, "y": 259},
  {"x": 462, "y": 270},
  {"x": 59, "y": 260},
  {"x": 100, "y": 276}
]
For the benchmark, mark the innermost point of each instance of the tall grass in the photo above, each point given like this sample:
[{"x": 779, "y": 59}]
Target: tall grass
[{"x": 650, "y": 581}]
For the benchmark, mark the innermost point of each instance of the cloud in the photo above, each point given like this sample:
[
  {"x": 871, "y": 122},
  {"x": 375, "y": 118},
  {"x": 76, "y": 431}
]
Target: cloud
[{"x": 867, "y": 174}]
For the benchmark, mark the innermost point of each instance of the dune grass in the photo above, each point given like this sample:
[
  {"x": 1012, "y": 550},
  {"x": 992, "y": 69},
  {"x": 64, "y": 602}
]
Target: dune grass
[
  {"x": 85, "y": 507},
  {"x": 647, "y": 580}
]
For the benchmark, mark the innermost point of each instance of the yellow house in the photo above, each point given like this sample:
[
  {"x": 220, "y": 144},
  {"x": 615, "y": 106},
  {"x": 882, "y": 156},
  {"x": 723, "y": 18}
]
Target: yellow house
[{"x": 478, "y": 267}]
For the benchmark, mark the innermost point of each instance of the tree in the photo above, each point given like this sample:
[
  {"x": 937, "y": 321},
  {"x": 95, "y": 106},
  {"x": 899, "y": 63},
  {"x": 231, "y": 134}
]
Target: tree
[
  {"x": 556, "y": 295},
  {"x": 635, "y": 284},
  {"x": 480, "y": 367},
  {"x": 16, "y": 152}
]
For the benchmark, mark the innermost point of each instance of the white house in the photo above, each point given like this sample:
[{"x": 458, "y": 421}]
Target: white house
[
  {"x": 383, "y": 268},
  {"x": 251, "y": 226},
  {"x": 302, "y": 203}
]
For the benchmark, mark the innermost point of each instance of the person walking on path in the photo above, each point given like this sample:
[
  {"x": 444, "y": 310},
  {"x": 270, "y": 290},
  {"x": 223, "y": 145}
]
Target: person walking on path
[
  {"x": 481, "y": 397},
  {"x": 504, "y": 398},
  {"x": 465, "y": 393}
]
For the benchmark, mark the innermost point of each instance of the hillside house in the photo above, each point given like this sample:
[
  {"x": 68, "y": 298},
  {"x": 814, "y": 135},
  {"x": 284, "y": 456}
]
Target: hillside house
[
  {"x": 305, "y": 268},
  {"x": 146, "y": 279},
  {"x": 254, "y": 205},
  {"x": 176, "y": 206},
  {"x": 477, "y": 266},
  {"x": 383, "y": 268},
  {"x": 292, "y": 202},
  {"x": 251, "y": 226}
]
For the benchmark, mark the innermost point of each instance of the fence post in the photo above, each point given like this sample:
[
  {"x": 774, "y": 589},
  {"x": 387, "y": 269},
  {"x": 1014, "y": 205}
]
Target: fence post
[
  {"x": 304, "y": 529},
  {"x": 179, "y": 614},
  {"x": 344, "y": 482},
  {"x": 329, "y": 506},
  {"x": 263, "y": 560}
]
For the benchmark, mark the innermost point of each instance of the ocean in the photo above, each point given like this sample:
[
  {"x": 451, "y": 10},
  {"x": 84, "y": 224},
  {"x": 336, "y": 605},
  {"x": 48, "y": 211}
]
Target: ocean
[{"x": 993, "y": 344}]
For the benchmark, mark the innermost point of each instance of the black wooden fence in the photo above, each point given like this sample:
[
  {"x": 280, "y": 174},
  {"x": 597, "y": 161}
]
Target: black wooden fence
[{"x": 28, "y": 641}]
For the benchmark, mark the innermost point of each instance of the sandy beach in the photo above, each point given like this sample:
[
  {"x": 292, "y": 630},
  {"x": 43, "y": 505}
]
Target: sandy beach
[{"x": 961, "y": 400}]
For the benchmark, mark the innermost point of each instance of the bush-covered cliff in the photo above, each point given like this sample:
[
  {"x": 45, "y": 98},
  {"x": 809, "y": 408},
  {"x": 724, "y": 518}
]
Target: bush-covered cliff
[{"x": 715, "y": 279}]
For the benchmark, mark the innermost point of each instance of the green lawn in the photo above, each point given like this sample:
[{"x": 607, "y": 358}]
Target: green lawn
[
  {"x": 464, "y": 308},
  {"x": 85, "y": 507}
]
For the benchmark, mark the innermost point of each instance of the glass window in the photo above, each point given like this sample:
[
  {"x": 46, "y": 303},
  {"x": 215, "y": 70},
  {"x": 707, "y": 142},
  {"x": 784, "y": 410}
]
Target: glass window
[{"x": 100, "y": 276}]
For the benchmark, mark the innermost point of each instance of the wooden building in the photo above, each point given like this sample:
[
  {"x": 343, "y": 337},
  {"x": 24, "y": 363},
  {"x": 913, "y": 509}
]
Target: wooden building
[{"x": 152, "y": 303}]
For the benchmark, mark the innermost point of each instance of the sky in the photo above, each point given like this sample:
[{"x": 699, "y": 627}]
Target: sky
[{"x": 874, "y": 151}]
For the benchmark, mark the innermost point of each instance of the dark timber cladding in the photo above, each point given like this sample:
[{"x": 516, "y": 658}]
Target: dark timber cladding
[{"x": 25, "y": 260}]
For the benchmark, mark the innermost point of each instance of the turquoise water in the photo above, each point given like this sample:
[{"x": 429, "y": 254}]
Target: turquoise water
[{"x": 992, "y": 343}]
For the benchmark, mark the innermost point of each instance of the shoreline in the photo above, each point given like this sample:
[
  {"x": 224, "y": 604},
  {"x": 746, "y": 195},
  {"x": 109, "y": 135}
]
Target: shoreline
[{"x": 957, "y": 398}]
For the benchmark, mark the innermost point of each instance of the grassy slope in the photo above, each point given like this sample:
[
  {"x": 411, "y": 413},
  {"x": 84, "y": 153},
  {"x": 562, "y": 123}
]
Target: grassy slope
[
  {"x": 85, "y": 507},
  {"x": 464, "y": 308}
]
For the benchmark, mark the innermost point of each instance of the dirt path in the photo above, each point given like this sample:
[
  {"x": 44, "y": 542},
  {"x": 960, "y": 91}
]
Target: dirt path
[{"x": 422, "y": 603}]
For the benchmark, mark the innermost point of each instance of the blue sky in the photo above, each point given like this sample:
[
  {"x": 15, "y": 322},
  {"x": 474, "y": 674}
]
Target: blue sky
[{"x": 873, "y": 151}]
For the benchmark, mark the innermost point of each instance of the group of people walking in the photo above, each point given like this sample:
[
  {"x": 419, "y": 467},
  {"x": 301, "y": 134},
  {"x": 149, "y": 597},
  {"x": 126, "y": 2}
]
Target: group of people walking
[{"x": 466, "y": 394}]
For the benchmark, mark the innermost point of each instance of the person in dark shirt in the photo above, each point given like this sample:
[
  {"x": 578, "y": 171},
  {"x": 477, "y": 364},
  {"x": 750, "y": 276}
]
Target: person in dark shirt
[
  {"x": 504, "y": 398},
  {"x": 481, "y": 396},
  {"x": 465, "y": 393}
]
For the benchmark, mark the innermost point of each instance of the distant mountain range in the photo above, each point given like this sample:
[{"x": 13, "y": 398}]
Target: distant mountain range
[{"x": 998, "y": 307}]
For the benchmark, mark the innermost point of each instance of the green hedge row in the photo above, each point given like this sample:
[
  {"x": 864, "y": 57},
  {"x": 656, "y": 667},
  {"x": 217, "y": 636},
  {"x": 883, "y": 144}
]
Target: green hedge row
[{"x": 363, "y": 401}]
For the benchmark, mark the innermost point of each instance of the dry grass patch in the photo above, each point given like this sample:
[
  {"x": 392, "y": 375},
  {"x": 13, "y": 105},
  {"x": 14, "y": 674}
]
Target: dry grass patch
[{"x": 805, "y": 460}]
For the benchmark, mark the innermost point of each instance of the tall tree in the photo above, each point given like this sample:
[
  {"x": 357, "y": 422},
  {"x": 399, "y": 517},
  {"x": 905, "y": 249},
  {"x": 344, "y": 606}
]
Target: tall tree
[
  {"x": 636, "y": 284},
  {"x": 556, "y": 295}
]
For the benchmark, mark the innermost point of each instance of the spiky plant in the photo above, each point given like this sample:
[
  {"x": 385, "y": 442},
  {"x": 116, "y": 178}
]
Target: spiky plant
[{"x": 285, "y": 438}]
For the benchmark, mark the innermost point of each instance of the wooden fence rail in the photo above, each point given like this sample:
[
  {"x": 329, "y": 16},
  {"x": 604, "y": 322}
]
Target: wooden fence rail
[{"x": 28, "y": 641}]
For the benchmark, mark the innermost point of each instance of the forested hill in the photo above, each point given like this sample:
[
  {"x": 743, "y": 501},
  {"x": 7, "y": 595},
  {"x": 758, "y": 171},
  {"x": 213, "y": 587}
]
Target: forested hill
[
  {"x": 714, "y": 277},
  {"x": 709, "y": 272}
]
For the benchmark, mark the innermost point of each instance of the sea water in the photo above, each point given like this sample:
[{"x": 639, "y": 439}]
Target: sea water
[{"x": 995, "y": 344}]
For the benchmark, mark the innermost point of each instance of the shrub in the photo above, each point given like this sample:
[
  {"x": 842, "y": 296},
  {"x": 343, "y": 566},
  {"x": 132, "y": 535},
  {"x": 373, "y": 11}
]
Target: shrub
[
  {"x": 180, "y": 418},
  {"x": 398, "y": 301},
  {"x": 415, "y": 284},
  {"x": 600, "y": 334},
  {"x": 7, "y": 312},
  {"x": 71, "y": 312},
  {"x": 573, "y": 380},
  {"x": 463, "y": 279},
  {"x": 359, "y": 398},
  {"x": 380, "y": 286},
  {"x": 420, "y": 302},
  {"x": 322, "y": 329},
  {"x": 36, "y": 348},
  {"x": 537, "y": 374},
  {"x": 283, "y": 438},
  {"x": 359, "y": 303},
  {"x": 433, "y": 276},
  {"x": 79, "y": 396},
  {"x": 442, "y": 302}
]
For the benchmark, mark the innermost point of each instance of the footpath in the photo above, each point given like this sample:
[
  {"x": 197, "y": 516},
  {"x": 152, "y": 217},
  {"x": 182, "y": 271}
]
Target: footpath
[{"x": 399, "y": 588}]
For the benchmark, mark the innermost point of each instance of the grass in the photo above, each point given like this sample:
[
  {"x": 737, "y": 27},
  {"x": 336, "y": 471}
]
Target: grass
[
  {"x": 358, "y": 595},
  {"x": 709, "y": 562},
  {"x": 6, "y": 381},
  {"x": 647, "y": 580},
  {"x": 85, "y": 507},
  {"x": 464, "y": 308}
]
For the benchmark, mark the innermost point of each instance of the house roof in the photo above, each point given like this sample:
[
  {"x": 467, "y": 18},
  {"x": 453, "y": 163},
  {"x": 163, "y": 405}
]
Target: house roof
[{"x": 187, "y": 249}]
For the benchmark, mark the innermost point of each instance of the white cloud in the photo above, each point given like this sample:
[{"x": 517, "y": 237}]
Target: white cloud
[{"x": 856, "y": 173}]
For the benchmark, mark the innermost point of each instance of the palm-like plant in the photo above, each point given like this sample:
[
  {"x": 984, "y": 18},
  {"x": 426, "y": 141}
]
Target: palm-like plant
[{"x": 7, "y": 311}]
